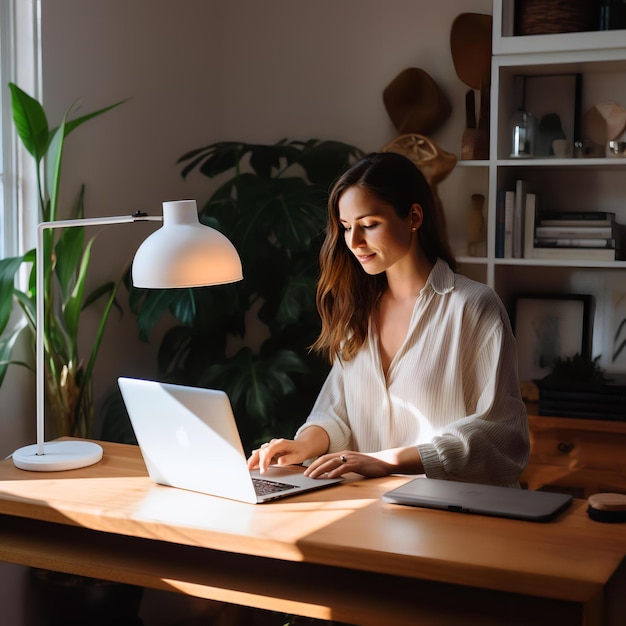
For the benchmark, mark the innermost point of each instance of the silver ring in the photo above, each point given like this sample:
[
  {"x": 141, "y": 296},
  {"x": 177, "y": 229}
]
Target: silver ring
[{"x": 343, "y": 459}]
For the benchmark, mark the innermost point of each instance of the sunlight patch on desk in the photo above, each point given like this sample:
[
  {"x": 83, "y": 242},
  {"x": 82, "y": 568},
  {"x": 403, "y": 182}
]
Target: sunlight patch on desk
[{"x": 195, "y": 510}]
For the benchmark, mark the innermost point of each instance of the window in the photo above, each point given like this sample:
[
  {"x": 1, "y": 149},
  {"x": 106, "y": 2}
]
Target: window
[{"x": 19, "y": 63}]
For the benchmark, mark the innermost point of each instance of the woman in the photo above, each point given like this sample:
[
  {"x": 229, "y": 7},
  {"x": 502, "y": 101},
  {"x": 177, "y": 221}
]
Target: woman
[{"x": 424, "y": 376}]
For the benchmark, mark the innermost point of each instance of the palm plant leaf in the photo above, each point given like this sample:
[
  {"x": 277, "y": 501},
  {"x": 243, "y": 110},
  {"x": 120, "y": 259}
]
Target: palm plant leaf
[
  {"x": 53, "y": 171},
  {"x": 7, "y": 343},
  {"x": 30, "y": 122},
  {"x": 74, "y": 303},
  {"x": 8, "y": 269}
]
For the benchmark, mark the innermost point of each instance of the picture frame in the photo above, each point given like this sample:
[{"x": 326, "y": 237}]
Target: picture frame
[
  {"x": 548, "y": 327},
  {"x": 547, "y": 95},
  {"x": 614, "y": 347}
]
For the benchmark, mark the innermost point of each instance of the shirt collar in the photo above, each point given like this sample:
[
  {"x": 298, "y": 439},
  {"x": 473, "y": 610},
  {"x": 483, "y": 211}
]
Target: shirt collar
[{"x": 441, "y": 278}]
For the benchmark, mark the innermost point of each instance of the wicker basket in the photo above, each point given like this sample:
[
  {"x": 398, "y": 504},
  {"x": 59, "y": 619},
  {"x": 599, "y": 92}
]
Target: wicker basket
[{"x": 543, "y": 17}]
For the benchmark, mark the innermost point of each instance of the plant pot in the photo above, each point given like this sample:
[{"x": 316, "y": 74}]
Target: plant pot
[{"x": 68, "y": 600}]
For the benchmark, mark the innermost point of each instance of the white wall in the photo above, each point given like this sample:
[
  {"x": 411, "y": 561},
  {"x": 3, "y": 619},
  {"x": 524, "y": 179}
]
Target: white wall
[{"x": 199, "y": 71}]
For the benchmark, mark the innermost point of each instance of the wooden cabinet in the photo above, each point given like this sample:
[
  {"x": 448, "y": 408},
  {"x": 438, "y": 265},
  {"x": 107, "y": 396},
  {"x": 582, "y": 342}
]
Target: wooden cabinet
[{"x": 576, "y": 456}]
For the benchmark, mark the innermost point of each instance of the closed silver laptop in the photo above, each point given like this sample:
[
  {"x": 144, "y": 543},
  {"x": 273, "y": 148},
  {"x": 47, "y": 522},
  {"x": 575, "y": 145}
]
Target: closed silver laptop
[{"x": 461, "y": 497}]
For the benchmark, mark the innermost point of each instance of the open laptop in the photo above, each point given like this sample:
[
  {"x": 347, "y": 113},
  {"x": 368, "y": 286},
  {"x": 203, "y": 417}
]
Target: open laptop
[
  {"x": 536, "y": 506},
  {"x": 189, "y": 439}
]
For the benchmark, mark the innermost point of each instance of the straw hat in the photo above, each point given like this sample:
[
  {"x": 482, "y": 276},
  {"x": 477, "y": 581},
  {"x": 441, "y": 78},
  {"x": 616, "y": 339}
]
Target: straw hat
[{"x": 415, "y": 103}]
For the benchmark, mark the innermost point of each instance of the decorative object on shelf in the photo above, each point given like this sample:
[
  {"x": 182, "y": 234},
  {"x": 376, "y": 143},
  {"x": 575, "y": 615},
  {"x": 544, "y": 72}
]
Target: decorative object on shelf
[
  {"x": 616, "y": 149},
  {"x": 523, "y": 130},
  {"x": 554, "y": 100},
  {"x": 614, "y": 323},
  {"x": 475, "y": 225},
  {"x": 415, "y": 103},
  {"x": 549, "y": 327},
  {"x": 434, "y": 162},
  {"x": 470, "y": 45},
  {"x": 545, "y": 17},
  {"x": 605, "y": 125},
  {"x": 562, "y": 148},
  {"x": 548, "y": 130}
]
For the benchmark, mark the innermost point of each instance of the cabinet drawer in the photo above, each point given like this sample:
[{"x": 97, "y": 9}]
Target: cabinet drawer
[{"x": 579, "y": 449}]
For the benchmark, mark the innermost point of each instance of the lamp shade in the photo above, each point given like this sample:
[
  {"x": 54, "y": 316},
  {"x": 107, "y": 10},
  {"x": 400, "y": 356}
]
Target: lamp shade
[{"x": 185, "y": 253}]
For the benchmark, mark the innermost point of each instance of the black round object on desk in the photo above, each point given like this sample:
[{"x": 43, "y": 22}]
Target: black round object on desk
[{"x": 607, "y": 507}]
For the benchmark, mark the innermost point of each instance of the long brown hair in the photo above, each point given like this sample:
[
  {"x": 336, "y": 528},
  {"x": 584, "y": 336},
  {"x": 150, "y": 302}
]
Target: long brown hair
[{"x": 346, "y": 295}]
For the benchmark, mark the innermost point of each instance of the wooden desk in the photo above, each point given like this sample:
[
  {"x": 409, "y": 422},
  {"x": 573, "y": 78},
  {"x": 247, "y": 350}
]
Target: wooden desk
[{"x": 337, "y": 554}]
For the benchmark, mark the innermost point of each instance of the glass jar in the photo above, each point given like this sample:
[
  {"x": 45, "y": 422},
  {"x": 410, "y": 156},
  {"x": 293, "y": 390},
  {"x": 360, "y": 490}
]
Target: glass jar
[{"x": 523, "y": 129}]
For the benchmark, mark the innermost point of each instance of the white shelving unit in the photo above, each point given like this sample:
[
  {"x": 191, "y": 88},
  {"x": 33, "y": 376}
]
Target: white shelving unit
[{"x": 560, "y": 184}]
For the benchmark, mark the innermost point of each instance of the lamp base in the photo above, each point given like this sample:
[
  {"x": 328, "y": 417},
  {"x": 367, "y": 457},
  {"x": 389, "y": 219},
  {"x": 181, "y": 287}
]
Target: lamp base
[{"x": 58, "y": 456}]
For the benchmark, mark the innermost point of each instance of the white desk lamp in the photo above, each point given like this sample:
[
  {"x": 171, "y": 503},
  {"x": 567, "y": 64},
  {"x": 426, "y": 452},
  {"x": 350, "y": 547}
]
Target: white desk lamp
[{"x": 182, "y": 253}]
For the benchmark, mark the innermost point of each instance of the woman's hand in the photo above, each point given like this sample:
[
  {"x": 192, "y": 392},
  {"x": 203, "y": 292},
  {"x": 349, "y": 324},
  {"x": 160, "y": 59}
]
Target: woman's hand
[
  {"x": 370, "y": 465},
  {"x": 277, "y": 452},
  {"x": 311, "y": 442},
  {"x": 337, "y": 464}
]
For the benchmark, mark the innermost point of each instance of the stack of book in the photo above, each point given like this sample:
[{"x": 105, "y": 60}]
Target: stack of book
[
  {"x": 577, "y": 235},
  {"x": 525, "y": 231}
]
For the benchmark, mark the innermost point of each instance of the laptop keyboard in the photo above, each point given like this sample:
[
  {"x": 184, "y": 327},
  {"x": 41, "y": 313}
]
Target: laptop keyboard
[{"x": 264, "y": 487}]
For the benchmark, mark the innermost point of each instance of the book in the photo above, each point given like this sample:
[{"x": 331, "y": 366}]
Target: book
[
  {"x": 500, "y": 224},
  {"x": 574, "y": 232},
  {"x": 547, "y": 242},
  {"x": 529, "y": 224},
  {"x": 518, "y": 218},
  {"x": 575, "y": 218},
  {"x": 574, "y": 254},
  {"x": 509, "y": 209}
]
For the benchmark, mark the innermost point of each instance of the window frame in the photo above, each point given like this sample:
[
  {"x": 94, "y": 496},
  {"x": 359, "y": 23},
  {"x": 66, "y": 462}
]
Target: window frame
[{"x": 20, "y": 63}]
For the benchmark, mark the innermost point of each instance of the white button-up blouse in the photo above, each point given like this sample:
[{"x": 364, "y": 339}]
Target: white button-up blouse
[{"x": 452, "y": 389}]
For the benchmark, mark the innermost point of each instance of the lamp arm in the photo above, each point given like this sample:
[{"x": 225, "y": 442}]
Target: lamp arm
[{"x": 40, "y": 317}]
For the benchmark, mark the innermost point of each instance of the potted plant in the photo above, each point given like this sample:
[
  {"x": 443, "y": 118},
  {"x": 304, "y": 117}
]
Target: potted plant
[
  {"x": 251, "y": 338},
  {"x": 68, "y": 372},
  {"x": 62, "y": 599}
]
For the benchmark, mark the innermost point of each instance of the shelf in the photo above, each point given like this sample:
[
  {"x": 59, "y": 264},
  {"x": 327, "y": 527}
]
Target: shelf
[
  {"x": 505, "y": 43},
  {"x": 565, "y": 42},
  {"x": 603, "y": 162},
  {"x": 468, "y": 163},
  {"x": 562, "y": 263}
]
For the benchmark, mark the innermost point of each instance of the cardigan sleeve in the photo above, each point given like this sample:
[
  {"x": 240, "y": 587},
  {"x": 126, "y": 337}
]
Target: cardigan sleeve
[{"x": 492, "y": 444}]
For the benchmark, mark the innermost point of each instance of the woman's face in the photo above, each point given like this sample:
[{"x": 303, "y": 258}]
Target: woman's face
[{"x": 374, "y": 232}]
